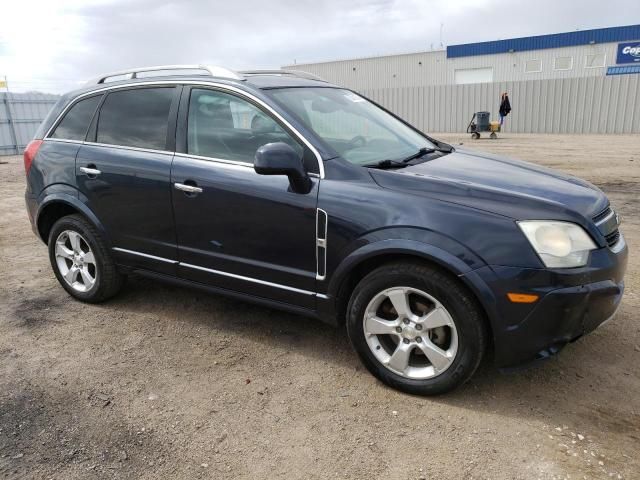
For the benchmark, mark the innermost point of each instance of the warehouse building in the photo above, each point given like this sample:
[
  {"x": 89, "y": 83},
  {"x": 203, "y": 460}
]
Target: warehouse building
[{"x": 577, "y": 82}]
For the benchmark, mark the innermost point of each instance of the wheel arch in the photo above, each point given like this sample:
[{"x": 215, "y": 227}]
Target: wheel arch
[
  {"x": 55, "y": 206},
  {"x": 361, "y": 262}
]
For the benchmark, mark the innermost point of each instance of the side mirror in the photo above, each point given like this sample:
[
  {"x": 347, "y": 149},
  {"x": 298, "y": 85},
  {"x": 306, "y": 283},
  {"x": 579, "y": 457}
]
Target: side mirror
[{"x": 281, "y": 159}]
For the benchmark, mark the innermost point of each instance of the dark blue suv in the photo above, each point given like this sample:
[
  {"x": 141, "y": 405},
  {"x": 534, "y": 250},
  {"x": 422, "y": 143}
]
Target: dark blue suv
[{"x": 282, "y": 189}]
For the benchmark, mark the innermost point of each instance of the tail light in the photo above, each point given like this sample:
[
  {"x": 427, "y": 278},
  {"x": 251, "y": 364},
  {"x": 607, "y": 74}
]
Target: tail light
[{"x": 30, "y": 153}]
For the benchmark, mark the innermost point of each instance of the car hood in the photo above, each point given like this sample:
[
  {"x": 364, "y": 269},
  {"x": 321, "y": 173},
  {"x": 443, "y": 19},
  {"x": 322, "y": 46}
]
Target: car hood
[{"x": 512, "y": 188}]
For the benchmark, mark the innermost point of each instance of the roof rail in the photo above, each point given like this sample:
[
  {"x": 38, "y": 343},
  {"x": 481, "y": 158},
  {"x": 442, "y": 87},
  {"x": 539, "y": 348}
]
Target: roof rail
[
  {"x": 212, "y": 70},
  {"x": 293, "y": 73}
]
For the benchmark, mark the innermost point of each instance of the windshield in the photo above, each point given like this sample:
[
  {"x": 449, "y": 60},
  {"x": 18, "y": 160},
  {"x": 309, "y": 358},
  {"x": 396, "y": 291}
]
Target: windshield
[{"x": 355, "y": 128}]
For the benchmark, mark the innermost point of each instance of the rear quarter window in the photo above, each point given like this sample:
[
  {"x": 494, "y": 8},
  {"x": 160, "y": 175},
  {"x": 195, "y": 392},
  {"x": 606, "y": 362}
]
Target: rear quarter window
[
  {"x": 76, "y": 121},
  {"x": 136, "y": 118}
]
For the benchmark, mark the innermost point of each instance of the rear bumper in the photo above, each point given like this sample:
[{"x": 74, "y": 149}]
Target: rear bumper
[
  {"x": 572, "y": 303},
  {"x": 32, "y": 208}
]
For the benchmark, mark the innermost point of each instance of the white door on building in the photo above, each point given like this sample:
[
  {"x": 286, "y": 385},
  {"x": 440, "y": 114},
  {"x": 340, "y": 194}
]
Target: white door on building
[{"x": 473, "y": 75}]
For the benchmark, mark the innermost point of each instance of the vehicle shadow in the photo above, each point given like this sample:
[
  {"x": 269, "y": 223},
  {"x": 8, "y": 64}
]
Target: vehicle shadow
[
  {"x": 231, "y": 317},
  {"x": 579, "y": 388},
  {"x": 591, "y": 387}
]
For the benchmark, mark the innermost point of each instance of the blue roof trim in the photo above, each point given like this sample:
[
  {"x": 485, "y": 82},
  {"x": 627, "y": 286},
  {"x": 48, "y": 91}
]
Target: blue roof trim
[
  {"x": 556, "y": 40},
  {"x": 623, "y": 70}
]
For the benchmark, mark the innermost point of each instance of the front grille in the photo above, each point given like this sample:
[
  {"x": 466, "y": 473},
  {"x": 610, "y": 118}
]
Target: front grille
[
  {"x": 602, "y": 214},
  {"x": 613, "y": 238},
  {"x": 607, "y": 223}
]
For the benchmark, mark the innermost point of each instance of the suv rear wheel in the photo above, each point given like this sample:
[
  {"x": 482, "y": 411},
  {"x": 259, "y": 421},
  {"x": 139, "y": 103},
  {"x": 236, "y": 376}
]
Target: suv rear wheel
[
  {"x": 416, "y": 328},
  {"x": 81, "y": 261}
]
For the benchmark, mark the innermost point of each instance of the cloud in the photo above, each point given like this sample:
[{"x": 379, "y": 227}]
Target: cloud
[{"x": 56, "y": 45}]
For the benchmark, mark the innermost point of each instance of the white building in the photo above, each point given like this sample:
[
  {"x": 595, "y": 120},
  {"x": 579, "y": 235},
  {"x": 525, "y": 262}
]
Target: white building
[
  {"x": 584, "y": 53},
  {"x": 607, "y": 59}
]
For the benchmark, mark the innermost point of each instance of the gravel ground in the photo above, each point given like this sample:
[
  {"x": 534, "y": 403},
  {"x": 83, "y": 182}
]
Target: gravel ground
[{"x": 165, "y": 382}]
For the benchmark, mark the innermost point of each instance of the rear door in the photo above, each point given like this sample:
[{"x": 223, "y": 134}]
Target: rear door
[
  {"x": 123, "y": 173},
  {"x": 239, "y": 230}
]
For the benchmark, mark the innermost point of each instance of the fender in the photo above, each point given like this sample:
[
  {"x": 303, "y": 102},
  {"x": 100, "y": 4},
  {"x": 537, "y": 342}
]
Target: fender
[
  {"x": 434, "y": 246},
  {"x": 462, "y": 264},
  {"x": 68, "y": 195}
]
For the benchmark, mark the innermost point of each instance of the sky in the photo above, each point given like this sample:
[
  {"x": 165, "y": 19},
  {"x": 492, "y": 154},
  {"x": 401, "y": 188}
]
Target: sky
[{"x": 57, "y": 45}]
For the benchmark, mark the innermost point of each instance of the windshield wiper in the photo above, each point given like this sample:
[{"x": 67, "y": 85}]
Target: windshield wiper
[
  {"x": 442, "y": 147},
  {"x": 418, "y": 154},
  {"x": 385, "y": 164}
]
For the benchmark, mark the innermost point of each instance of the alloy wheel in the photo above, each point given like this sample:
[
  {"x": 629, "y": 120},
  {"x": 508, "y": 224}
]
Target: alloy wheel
[
  {"x": 410, "y": 332},
  {"x": 76, "y": 261}
]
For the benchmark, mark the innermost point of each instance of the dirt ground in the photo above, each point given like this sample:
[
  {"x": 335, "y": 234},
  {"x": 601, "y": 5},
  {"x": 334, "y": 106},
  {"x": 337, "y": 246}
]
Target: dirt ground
[{"x": 164, "y": 382}]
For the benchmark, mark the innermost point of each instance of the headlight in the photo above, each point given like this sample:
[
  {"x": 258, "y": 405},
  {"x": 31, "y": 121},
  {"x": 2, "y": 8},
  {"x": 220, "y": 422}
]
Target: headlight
[{"x": 559, "y": 244}]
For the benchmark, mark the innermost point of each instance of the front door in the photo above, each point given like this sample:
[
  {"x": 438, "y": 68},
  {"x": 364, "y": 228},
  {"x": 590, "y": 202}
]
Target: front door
[{"x": 236, "y": 229}]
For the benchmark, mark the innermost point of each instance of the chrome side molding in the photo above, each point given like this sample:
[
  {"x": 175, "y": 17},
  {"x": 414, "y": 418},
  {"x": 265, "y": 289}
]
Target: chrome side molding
[
  {"x": 220, "y": 272},
  {"x": 322, "y": 220},
  {"x": 145, "y": 255},
  {"x": 247, "y": 279}
]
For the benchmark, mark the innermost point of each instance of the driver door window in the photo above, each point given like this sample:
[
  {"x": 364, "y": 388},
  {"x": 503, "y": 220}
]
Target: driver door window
[{"x": 227, "y": 127}]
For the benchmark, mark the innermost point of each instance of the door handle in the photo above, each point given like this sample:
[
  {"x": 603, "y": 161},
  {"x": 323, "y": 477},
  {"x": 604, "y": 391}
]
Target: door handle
[
  {"x": 187, "y": 188},
  {"x": 90, "y": 172}
]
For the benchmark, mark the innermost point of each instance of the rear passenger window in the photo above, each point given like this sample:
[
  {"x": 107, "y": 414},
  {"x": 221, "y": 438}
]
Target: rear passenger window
[
  {"x": 75, "y": 123},
  {"x": 227, "y": 127},
  {"x": 136, "y": 118}
]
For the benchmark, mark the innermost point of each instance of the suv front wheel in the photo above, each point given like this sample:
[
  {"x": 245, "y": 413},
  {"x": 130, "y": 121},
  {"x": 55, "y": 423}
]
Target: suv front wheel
[
  {"x": 416, "y": 328},
  {"x": 81, "y": 261}
]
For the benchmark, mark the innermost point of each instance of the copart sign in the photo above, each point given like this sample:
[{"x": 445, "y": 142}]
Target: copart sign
[{"x": 628, "y": 52}]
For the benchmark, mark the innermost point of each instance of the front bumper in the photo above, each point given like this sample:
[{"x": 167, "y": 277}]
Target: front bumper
[{"x": 572, "y": 303}]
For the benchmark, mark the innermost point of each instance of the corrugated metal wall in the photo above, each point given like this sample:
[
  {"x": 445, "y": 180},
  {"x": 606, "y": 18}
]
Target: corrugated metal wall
[
  {"x": 20, "y": 115},
  {"x": 608, "y": 104},
  {"x": 569, "y": 105}
]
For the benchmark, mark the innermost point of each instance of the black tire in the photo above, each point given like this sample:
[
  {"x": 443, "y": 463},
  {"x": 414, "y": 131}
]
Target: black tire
[
  {"x": 475, "y": 135},
  {"x": 108, "y": 280},
  {"x": 460, "y": 304}
]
